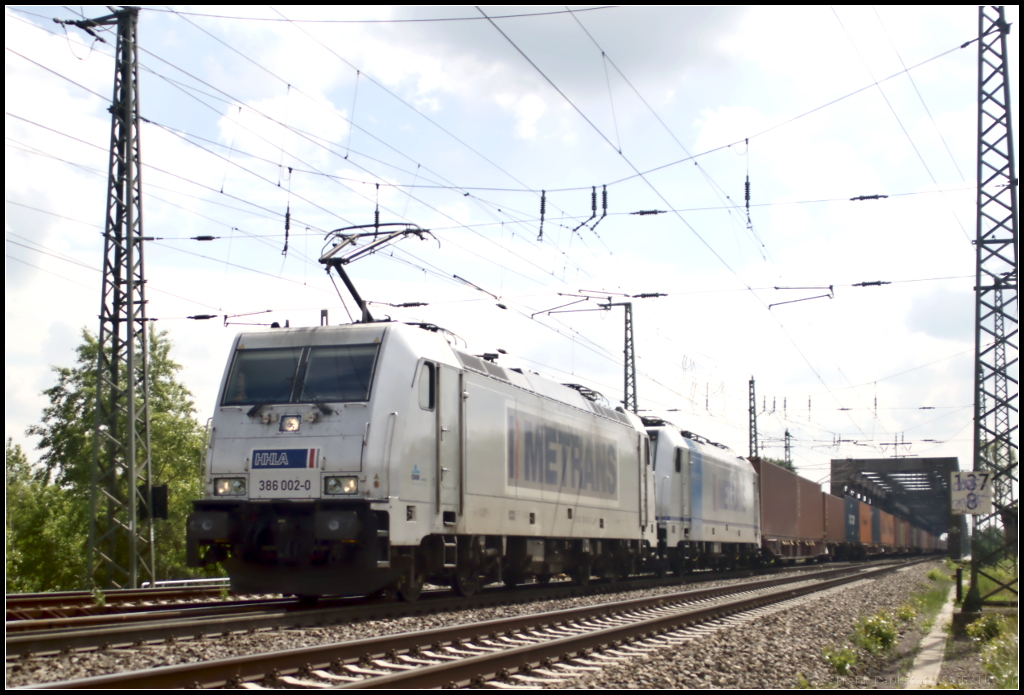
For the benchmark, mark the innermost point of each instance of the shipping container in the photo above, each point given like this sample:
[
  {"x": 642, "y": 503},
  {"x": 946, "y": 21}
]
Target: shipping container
[
  {"x": 834, "y": 508},
  {"x": 876, "y": 526},
  {"x": 887, "y": 529},
  {"x": 852, "y": 509},
  {"x": 779, "y": 506},
  {"x": 864, "y": 520},
  {"x": 792, "y": 513},
  {"x": 811, "y": 517}
]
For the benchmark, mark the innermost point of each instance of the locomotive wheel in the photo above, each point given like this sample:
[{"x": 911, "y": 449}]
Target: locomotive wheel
[
  {"x": 581, "y": 574},
  {"x": 467, "y": 580},
  {"x": 410, "y": 584}
]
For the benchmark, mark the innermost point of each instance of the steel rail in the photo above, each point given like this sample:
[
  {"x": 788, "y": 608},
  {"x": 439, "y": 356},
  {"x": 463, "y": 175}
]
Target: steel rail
[
  {"x": 477, "y": 670},
  {"x": 137, "y": 614},
  {"x": 55, "y": 640},
  {"x": 254, "y": 667},
  {"x": 70, "y": 599}
]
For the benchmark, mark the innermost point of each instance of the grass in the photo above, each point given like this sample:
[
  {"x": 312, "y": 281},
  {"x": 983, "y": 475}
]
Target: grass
[
  {"x": 98, "y": 597},
  {"x": 930, "y": 598},
  {"x": 1003, "y": 571},
  {"x": 841, "y": 660},
  {"x": 876, "y": 634},
  {"x": 1000, "y": 648}
]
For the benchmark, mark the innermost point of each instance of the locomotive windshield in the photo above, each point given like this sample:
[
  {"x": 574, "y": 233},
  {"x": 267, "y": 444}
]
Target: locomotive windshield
[{"x": 301, "y": 375}]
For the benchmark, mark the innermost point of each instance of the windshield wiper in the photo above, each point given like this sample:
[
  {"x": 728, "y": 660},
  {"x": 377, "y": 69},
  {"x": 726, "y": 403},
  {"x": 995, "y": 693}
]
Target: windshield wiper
[
  {"x": 321, "y": 407},
  {"x": 255, "y": 410}
]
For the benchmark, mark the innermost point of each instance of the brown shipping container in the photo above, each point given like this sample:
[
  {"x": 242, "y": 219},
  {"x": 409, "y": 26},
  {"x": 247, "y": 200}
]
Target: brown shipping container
[
  {"x": 811, "y": 524},
  {"x": 865, "y": 523},
  {"x": 779, "y": 507},
  {"x": 835, "y": 529},
  {"x": 888, "y": 529},
  {"x": 903, "y": 533}
]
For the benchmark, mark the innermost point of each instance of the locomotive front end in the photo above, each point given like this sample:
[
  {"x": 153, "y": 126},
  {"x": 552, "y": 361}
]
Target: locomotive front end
[{"x": 289, "y": 484}]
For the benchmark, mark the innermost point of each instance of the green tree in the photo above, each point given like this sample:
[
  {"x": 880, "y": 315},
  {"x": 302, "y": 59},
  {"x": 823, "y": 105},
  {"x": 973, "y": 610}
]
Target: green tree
[
  {"x": 46, "y": 530},
  {"x": 64, "y": 476},
  {"x": 781, "y": 463}
]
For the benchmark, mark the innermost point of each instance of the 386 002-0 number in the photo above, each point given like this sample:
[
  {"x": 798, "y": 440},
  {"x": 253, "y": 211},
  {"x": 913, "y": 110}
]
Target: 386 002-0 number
[{"x": 284, "y": 485}]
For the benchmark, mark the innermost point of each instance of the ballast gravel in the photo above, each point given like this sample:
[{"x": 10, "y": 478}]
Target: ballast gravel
[
  {"x": 780, "y": 649},
  {"x": 62, "y": 667}
]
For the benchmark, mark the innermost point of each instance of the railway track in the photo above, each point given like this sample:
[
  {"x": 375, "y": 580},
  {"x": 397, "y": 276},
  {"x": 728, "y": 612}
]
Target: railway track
[
  {"x": 546, "y": 646},
  {"x": 137, "y": 624},
  {"x": 66, "y": 604}
]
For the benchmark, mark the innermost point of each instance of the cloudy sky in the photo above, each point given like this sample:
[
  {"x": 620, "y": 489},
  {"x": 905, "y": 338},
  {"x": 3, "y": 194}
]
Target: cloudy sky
[{"x": 458, "y": 124}]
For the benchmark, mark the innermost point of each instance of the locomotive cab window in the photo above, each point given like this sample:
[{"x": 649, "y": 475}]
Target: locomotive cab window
[
  {"x": 301, "y": 375},
  {"x": 263, "y": 376},
  {"x": 339, "y": 373},
  {"x": 428, "y": 380}
]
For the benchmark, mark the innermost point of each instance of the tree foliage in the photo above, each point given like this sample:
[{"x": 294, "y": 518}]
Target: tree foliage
[
  {"x": 48, "y": 512},
  {"x": 47, "y": 529},
  {"x": 781, "y": 463}
]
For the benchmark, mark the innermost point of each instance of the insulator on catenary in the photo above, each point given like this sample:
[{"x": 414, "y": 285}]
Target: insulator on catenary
[
  {"x": 287, "y": 228},
  {"x": 593, "y": 209},
  {"x": 604, "y": 207},
  {"x": 543, "y": 204},
  {"x": 648, "y": 212}
]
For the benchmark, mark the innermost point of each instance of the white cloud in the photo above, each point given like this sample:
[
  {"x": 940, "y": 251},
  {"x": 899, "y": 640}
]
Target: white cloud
[{"x": 715, "y": 76}]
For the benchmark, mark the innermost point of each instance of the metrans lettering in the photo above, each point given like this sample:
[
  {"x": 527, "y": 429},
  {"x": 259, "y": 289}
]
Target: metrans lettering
[{"x": 551, "y": 456}]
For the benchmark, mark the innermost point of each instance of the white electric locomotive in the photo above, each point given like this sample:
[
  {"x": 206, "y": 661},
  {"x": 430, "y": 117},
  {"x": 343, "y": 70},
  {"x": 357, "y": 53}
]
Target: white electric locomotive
[
  {"x": 707, "y": 500},
  {"x": 376, "y": 457}
]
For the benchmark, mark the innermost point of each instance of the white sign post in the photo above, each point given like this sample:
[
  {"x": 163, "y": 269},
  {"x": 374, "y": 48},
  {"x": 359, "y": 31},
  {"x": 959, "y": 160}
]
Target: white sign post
[{"x": 971, "y": 492}]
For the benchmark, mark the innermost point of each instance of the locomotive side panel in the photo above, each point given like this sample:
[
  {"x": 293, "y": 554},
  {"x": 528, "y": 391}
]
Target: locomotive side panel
[
  {"x": 672, "y": 475},
  {"x": 722, "y": 498},
  {"x": 536, "y": 466}
]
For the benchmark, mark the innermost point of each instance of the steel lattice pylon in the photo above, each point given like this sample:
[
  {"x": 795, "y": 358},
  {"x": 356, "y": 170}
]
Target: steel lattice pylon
[
  {"x": 996, "y": 418},
  {"x": 752, "y": 413},
  {"x": 629, "y": 358},
  {"x": 121, "y": 549}
]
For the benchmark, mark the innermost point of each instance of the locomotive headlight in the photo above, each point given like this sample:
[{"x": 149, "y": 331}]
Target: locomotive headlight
[
  {"x": 290, "y": 423},
  {"x": 229, "y": 486},
  {"x": 346, "y": 485}
]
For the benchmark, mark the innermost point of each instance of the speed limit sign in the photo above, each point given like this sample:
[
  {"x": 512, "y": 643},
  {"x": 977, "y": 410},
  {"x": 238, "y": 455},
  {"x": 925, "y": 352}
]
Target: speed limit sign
[{"x": 971, "y": 492}]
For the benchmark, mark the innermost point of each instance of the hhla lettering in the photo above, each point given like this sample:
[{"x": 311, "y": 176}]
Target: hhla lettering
[{"x": 271, "y": 458}]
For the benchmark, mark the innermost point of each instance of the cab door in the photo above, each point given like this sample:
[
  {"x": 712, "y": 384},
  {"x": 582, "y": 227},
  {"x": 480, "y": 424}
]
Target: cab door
[{"x": 449, "y": 444}]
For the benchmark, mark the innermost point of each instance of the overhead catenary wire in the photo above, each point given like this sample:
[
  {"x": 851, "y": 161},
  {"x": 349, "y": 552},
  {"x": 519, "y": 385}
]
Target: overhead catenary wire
[
  {"x": 525, "y": 188},
  {"x": 409, "y": 20},
  {"x": 550, "y": 219},
  {"x": 900, "y": 122},
  {"x": 656, "y": 191}
]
